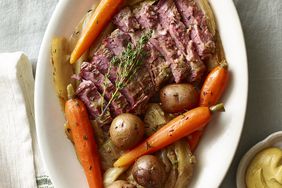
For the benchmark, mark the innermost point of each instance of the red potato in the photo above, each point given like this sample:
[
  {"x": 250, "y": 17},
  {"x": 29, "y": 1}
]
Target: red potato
[{"x": 178, "y": 97}]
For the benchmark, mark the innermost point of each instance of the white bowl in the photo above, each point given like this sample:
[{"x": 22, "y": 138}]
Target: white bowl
[
  {"x": 273, "y": 140},
  {"x": 217, "y": 147}
]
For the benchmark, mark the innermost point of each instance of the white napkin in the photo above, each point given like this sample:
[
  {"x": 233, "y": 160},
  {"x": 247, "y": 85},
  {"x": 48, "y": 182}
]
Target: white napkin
[{"x": 20, "y": 162}]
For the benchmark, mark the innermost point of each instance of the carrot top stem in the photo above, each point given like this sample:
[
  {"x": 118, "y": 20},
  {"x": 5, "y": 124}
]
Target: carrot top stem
[{"x": 217, "y": 108}]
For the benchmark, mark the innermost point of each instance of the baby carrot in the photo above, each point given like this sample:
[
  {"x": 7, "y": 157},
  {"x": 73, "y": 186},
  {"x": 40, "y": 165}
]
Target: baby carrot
[
  {"x": 194, "y": 139},
  {"x": 84, "y": 143},
  {"x": 101, "y": 16},
  {"x": 214, "y": 85},
  {"x": 174, "y": 130}
]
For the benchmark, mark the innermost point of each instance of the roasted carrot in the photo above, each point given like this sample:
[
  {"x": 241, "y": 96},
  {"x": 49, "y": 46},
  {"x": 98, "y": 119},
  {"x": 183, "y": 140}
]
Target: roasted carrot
[
  {"x": 174, "y": 130},
  {"x": 84, "y": 143},
  {"x": 214, "y": 85},
  {"x": 194, "y": 139},
  {"x": 101, "y": 16},
  {"x": 211, "y": 92}
]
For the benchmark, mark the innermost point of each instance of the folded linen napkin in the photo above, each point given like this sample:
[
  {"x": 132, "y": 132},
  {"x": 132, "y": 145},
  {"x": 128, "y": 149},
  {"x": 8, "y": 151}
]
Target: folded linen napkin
[{"x": 20, "y": 162}]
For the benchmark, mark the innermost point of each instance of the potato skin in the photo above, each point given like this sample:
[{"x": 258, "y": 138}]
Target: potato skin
[
  {"x": 178, "y": 97},
  {"x": 148, "y": 171},
  {"x": 121, "y": 184},
  {"x": 126, "y": 130}
]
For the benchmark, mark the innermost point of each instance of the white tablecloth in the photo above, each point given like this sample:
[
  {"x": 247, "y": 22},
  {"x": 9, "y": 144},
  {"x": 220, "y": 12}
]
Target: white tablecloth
[{"x": 23, "y": 24}]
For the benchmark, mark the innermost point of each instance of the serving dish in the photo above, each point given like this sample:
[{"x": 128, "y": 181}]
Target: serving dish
[
  {"x": 273, "y": 140},
  {"x": 217, "y": 148}
]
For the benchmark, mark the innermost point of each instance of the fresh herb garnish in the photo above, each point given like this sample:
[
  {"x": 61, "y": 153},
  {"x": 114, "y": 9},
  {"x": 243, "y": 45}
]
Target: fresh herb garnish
[{"x": 128, "y": 63}]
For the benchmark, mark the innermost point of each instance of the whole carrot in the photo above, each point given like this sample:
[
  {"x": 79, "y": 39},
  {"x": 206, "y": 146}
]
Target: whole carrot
[
  {"x": 214, "y": 85},
  {"x": 174, "y": 130},
  {"x": 101, "y": 16},
  {"x": 211, "y": 92},
  {"x": 84, "y": 143}
]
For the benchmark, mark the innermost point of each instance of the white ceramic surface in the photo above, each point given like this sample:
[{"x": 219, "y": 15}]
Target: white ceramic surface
[
  {"x": 273, "y": 140},
  {"x": 219, "y": 144}
]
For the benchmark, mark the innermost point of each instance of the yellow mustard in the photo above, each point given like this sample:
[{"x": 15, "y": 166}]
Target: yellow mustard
[{"x": 265, "y": 170}]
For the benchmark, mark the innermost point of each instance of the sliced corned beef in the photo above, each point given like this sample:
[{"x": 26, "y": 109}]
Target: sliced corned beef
[
  {"x": 102, "y": 61},
  {"x": 126, "y": 21},
  {"x": 190, "y": 13},
  {"x": 160, "y": 72},
  {"x": 171, "y": 19},
  {"x": 203, "y": 40},
  {"x": 117, "y": 42},
  {"x": 195, "y": 20},
  {"x": 162, "y": 41},
  {"x": 146, "y": 15},
  {"x": 140, "y": 87},
  {"x": 154, "y": 61},
  {"x": 198, "y": 68},
  {"x": 88, "y": 93},
  {"x": 105, "y": 87}
]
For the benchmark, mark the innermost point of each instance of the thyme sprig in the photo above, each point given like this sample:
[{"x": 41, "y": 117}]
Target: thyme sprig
[{"x": 128, "y": 63}]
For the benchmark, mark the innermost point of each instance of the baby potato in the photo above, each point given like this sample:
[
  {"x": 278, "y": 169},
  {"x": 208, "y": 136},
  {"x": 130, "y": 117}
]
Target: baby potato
[
  {"x": 126, "y": 130},
  {"x": 148, "y": 171},
  {"x": 178, "y": 97}
]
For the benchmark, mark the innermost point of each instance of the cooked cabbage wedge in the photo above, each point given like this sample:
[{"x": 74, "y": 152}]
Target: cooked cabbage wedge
[
  {"x": 154, "y": 118},
  {"x": 112, "y": 175},
  {"x": 219, "y": 55},
  {"x": 62, "y": 70},
  {"x": 185, "y": 163},
  {"x": 207, "y": 10},
  {"x": 109, "y": 153},
  {"x": 179, "y": 164}
]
